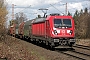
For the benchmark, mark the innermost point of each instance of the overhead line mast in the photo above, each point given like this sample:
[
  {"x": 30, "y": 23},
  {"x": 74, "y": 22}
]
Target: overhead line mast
[
  {"x": 66, "y": 8},
  {"x": 12, "y": 11}
]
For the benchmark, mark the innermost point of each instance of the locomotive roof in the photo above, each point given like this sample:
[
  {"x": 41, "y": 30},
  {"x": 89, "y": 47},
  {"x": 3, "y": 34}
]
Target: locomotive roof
[{"x": 39, "y": 20}]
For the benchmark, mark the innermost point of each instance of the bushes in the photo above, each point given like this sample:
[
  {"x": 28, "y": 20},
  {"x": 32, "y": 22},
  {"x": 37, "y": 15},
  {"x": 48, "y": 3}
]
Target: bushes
[
  {"x": 3, "y": 13},
  {"x": 82, "y": 24}
]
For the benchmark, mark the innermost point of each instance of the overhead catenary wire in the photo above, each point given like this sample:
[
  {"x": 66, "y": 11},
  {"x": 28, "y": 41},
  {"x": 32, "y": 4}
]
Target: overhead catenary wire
[{"x": 57, "y": 9}]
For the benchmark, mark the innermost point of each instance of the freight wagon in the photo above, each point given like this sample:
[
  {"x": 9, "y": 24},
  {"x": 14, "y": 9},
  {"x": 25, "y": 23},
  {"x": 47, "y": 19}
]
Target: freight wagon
[{"x": 12, "y": 30}]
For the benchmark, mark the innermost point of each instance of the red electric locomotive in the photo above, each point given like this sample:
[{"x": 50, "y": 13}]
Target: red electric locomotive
[{"x": 54, "y": 30}]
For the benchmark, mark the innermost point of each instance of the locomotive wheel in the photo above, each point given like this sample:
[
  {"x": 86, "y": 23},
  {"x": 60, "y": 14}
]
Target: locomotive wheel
[
  {"x": 52, "y": 45},
  {"x": 71, "y": 45},
  {"x": 47, "y": 43},
  {"x": 36, "y": 40}
]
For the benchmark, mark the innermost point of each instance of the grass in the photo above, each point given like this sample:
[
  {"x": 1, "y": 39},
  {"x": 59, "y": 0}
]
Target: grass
[
  {"x": 38, "y": 55},
  {"x": 85, "y": 42}
]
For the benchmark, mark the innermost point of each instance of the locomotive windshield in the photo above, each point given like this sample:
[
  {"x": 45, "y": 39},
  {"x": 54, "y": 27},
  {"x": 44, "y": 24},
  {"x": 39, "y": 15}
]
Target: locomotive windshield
[{"x": 59, "y": 23}]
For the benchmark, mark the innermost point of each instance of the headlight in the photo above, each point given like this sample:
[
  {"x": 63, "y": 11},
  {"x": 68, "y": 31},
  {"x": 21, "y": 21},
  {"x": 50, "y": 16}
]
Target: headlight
[
  {"x": 55, "y": 32},
  {"x": 70, "y": 32}
]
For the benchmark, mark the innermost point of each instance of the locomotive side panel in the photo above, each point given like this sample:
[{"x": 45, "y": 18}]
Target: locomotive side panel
[{"x": 38, "y": 29}]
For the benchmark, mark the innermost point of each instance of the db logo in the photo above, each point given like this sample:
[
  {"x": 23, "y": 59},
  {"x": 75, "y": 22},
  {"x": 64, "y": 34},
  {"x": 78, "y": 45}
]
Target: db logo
[{"x": 63, "y": 31}]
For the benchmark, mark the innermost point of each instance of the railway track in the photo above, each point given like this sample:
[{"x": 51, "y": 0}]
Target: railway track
[
  {"x": 82, "y": 47},
  {"x": 76, "y": 55},
  {"x": 79, "y": 52}
]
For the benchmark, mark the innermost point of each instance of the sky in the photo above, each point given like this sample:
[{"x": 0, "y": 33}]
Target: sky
[{"x": 31, "y": 7}]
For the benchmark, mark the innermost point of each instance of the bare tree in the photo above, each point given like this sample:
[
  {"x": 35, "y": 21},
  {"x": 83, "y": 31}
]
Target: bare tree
[
  {"x": 3, "y": 13},
  {"x": 20, "y": 17}
]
